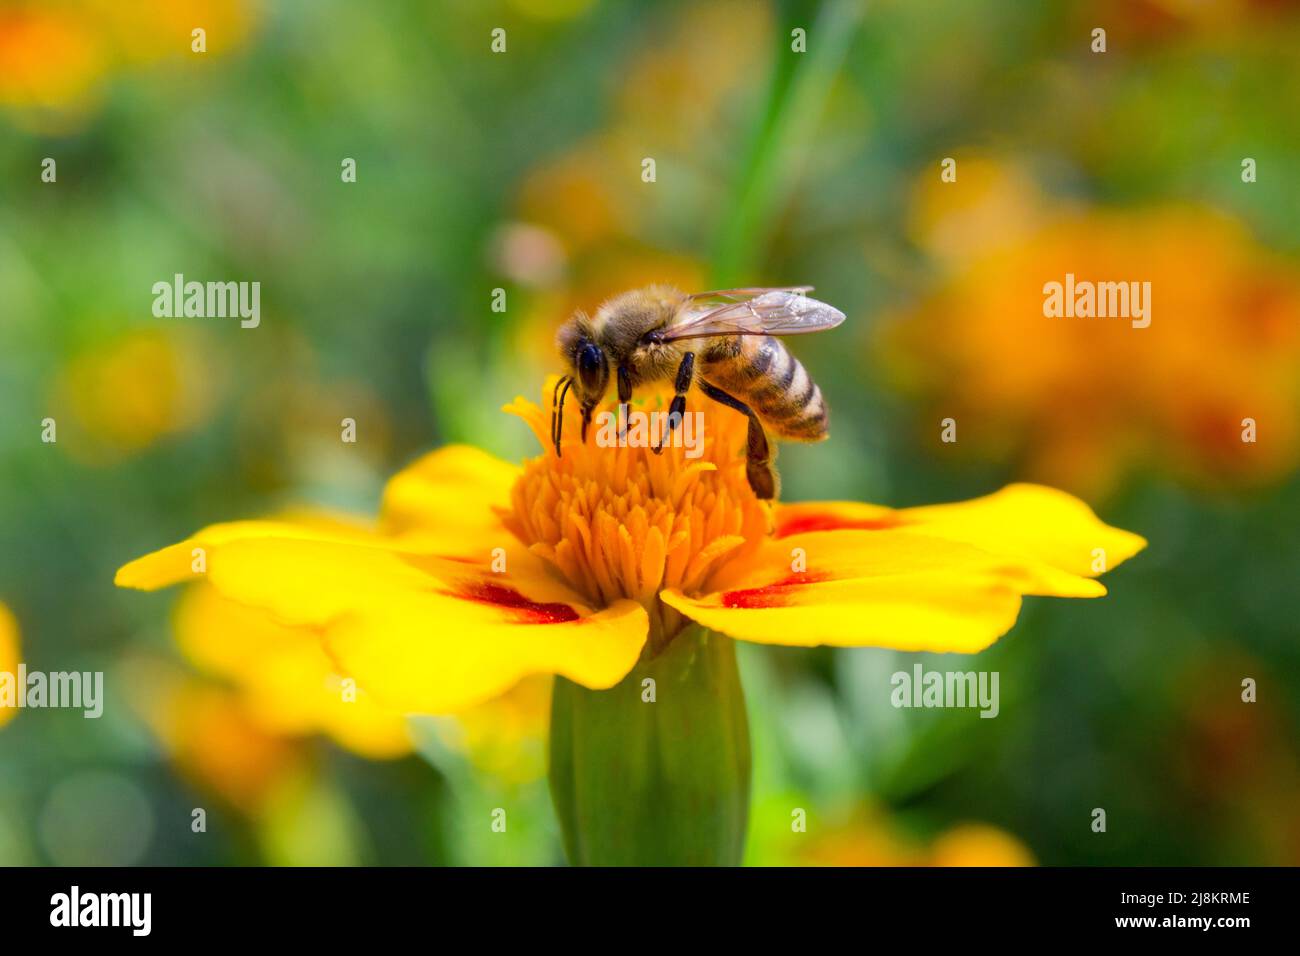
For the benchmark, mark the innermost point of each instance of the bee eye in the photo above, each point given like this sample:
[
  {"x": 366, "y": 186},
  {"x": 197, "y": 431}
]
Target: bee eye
[{"x": 591, "y": 366}]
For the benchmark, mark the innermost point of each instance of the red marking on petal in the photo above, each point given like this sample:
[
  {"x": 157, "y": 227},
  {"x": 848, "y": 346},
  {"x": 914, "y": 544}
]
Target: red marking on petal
[
  {"x": 521, "y": 608},
  {"x": 830, "y": 521},
  {"x": 777, "y": 594}
]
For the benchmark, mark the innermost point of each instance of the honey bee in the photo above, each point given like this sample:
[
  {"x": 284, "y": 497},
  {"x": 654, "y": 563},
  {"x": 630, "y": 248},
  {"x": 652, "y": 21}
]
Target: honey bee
[{"x": 724, "y": 341}]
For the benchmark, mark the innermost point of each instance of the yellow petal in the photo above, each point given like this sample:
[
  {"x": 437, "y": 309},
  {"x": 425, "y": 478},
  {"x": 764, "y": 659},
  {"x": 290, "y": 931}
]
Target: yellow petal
[
  {"x": 447, "y": 499},
  {"x": 420, "y": 633},
  {"x": 1036, "y": 522},
  {"x": 187, "y": 560},
  {"x": 894, "y": 588},
  {"x": 1022, "y": 520},
  {"x": 876, "y": 589}
]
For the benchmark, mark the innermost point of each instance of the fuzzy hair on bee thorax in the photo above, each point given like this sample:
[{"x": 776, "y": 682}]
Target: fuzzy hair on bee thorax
[{"x": 622, "y": 328}]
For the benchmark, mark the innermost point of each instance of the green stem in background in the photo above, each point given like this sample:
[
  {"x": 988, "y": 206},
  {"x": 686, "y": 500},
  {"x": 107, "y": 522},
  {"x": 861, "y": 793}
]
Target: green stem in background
[
  {"x": 655, "y": 782},
  {"x": 796, "y": 93}
]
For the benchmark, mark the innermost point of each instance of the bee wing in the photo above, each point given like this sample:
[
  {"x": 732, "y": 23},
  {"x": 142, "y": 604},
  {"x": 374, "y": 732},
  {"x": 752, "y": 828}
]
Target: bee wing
[
  {"x": 756, "y": 312},
  {"x": 735, "y": 295}
]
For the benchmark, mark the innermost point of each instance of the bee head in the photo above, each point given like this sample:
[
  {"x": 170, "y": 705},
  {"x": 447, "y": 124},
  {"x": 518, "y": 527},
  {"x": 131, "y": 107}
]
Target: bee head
[
  {"x": 581, "y": 348},
  {"x": 592, "y": 370}
]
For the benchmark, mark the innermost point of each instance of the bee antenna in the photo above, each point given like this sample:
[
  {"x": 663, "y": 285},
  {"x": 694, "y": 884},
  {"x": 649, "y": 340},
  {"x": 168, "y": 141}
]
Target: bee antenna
[{"x": 557, "y": 411}]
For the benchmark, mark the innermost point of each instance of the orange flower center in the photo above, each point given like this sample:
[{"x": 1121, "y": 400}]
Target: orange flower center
[{"x": 618, "y": 521}]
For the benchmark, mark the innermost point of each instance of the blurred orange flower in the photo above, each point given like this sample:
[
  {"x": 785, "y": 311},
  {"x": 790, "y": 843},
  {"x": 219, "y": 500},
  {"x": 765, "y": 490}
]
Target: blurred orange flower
[
  {"x": 219, "y": 746},
  {"x": 866, "y": 839},
  {"x": 1233, "y": 755},
  {"x": 56, "y": 55},
  {"x": 49, "y": 59},
  {"x": 1145, "y": 19},
  {"x": 1078, "y": 401}
]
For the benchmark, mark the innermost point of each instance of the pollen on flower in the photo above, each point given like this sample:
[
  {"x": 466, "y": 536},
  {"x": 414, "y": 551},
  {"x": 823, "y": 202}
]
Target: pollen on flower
[{"x": 622, "y": 522}]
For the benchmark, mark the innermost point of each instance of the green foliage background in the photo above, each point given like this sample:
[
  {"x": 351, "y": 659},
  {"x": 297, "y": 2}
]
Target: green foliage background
[{"x": 376, "y": 295}]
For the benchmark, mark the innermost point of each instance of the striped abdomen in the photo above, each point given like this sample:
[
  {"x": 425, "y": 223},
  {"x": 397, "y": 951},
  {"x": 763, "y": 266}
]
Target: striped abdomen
[{"x": 760, "y": 371}]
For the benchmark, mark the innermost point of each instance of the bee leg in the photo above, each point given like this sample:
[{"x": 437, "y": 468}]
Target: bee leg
[
  {"x": 624, "y": 396},
  {"x": 758, "y": 457},
  {"x": 677, "y": 410},
  {"x": 557, "y": 411}
]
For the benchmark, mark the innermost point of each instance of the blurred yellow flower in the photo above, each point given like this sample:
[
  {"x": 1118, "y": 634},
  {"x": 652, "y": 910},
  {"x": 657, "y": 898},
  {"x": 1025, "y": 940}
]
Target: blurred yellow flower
[
  {"x": 9, "y": 659},
  {"x": 867, "y": 840},
  {"x": 1078, "y": 401},
  {"x": 487, "y": 573},
  {"x": 505, "y": 737},
  {"x": 977, "y": 844},
  {"x": 285, "y": 686},
  {"x": 219, "y": 743},
  {"x": 127, "y": 394},
  {"x": 992, "y": 203},
  {"x": 288, "y": 685},
  {"x": 150, "y": 32},
  {"x": 215, "y": 742}
]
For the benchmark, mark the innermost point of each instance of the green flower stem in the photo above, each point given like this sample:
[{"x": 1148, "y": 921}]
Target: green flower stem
[{"x": 665, "y": 782}]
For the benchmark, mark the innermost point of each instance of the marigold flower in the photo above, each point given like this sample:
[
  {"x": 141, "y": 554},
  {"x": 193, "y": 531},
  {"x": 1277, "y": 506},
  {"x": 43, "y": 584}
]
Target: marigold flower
[
  {"x": 574, "y": 565},
  {"x": 611, "y": 566}
]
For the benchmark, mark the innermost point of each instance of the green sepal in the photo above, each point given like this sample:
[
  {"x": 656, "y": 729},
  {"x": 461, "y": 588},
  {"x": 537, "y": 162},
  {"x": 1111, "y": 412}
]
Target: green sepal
[{"x": 662, "y": 782}]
